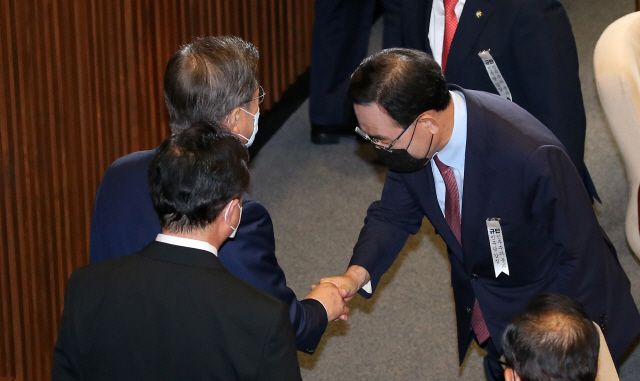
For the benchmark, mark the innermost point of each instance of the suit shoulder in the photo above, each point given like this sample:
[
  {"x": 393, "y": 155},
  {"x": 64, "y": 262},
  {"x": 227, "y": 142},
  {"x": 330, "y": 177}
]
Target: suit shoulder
[
  {"x": 97, "y": 275},
  {"x": 511, "y": 5},
  {"x": 111, "y": 265},
  {"x": 253, "y": 209},
  {"x": 127, "y": 174},
  {"x": 132, "y": 161},
  {"x": 507, "y": 125}
]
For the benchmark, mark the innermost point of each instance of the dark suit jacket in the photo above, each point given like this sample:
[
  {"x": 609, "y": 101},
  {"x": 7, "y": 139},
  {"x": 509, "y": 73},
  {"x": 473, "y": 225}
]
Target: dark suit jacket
[
  {"x": 532, "y": 44},
  {"x": 515, "y": 170},
  {"x": 171, "y": 313},
  {"x": 124, "y": 222}
]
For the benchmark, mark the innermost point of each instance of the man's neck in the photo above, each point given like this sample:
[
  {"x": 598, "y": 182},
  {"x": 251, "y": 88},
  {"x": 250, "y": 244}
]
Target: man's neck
[
  {"x": 205, "y": 235},
  {"x": 445, "y": 120}
]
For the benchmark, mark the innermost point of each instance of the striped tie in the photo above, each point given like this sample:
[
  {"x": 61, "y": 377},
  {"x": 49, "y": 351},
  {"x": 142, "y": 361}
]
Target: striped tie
[
  {"x": 450, "y": 25},
  {"x": 452, "y": 215}
]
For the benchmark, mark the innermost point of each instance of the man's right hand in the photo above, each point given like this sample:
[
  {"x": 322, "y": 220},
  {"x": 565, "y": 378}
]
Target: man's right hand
[
  {"x": 329, "y": 295},
  {"x": 353, "y": 279}
]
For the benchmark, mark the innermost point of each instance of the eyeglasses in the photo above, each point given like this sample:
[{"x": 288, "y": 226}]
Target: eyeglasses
[
  {"x": 376, "y": 142},
  {"x": 261, "y": 94}
]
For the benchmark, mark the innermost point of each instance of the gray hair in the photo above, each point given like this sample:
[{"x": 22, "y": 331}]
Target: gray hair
[{"x": 208, "y": 78}]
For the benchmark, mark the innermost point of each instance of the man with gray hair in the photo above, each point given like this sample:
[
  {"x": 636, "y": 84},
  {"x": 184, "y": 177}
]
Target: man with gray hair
[{"x": 214, "y": 80}]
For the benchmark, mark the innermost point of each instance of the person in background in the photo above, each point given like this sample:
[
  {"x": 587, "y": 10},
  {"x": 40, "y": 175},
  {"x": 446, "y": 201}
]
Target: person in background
[
  {"x": 172, "y": 311},
  {"x": 212, "y": 79},
  {"x": 529, "y": 48},
  {"x": 341, "y": 30},
  {"x": 551, "y": 339}
]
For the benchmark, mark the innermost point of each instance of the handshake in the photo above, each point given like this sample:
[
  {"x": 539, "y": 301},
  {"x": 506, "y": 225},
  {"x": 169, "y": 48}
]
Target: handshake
[{"x": 335, "y": 292}]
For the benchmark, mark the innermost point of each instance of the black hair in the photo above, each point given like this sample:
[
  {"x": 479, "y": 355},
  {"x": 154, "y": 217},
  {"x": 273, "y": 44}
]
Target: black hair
[
  {"x": 195, "y": 174},
  {"x": 208, "y": 78},
  {"x": 552, "y": 339},
  {"x": 405, "y": 82}
]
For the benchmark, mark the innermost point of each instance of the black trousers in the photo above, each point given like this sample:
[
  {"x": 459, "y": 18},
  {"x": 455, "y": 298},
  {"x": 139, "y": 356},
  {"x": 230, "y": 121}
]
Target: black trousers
[{"x": 339, "y": 43}]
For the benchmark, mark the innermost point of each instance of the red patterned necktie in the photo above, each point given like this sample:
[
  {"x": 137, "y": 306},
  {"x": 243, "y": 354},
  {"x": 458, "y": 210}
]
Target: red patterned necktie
[
  {"x": 451, "y": 199},
  {"x": 452, "y": 215},
  {"x": 450, "y": 25}
]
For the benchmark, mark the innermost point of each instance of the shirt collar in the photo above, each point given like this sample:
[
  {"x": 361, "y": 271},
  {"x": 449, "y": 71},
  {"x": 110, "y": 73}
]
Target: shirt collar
[
  {"x": 187, "y": 242},
  {"x": 453, "y": 153}
]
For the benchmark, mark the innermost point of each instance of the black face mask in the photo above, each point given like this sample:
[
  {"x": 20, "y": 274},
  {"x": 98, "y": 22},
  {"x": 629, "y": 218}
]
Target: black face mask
[{"x": 400, "y": 160}]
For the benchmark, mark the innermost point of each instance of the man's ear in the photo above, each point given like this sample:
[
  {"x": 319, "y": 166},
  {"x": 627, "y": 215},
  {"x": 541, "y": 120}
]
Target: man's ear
[
  {"x": 232, "y": 119},
  {"x": 510, "y": 375},
  {"x": 427, "y": 120},
  {"x": 230, "y": 209}
]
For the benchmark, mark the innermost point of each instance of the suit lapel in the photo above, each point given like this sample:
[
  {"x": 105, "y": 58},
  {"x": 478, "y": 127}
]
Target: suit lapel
[
  {"x": 478, "y": 171},
  {"x": 468, "y": 30},
  {"x": 426, "y": 13}
]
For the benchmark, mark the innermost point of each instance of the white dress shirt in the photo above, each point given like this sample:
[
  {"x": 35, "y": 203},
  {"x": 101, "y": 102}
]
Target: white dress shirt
[
  {"x": 187, "y": 242},
  {"x": 436, "y": 27},
  {"x": 453, "y": 153}
]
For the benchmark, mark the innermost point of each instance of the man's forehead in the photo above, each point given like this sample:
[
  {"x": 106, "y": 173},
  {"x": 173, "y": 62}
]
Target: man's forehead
[{"x": 374, "y": 120}]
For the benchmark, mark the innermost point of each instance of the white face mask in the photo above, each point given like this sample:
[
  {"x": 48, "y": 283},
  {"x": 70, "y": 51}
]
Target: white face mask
[
  {"x": 255, "y": 116},
  {"x": 235, "y": 230}
]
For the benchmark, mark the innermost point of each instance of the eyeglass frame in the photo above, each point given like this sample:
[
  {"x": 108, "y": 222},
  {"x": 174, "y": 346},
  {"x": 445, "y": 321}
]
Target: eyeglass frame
[
  {"x": 261, "y": 95},
  {"x": 376, "y": 142}
]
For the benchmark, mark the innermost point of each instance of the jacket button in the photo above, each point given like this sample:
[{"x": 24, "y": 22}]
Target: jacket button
[
  {"x": 474, "y": 277},
  {"x": 469, "y": 309}
]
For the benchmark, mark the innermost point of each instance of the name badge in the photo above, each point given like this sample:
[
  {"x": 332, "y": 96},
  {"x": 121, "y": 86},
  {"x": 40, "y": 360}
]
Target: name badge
[
  {"x": 495, "y": 75},
  {"x": 496, "y": 242}
]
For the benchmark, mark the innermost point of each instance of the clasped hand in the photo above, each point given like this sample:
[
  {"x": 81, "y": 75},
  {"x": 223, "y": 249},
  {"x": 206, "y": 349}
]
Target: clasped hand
[{"x": 334, "y": 292}]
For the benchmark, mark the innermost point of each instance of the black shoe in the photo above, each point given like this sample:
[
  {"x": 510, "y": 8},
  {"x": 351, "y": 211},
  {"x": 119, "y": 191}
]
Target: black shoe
[{"x": 330, "y": 134}]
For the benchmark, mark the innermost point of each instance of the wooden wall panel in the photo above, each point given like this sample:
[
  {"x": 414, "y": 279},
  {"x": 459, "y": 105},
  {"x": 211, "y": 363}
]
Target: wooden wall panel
[{"x": 81, "y": 85}]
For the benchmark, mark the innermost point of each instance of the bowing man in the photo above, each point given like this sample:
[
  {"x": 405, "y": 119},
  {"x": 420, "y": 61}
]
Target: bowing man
[{"x": 500, "y": 190}]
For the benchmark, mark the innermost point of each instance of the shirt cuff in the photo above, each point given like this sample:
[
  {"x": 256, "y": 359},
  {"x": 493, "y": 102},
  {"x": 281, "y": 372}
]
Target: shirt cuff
[{"x": 367, "y": 288}]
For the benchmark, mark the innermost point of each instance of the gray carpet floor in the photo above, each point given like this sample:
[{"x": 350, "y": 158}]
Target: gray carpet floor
[{"x": 318, "y": 196}]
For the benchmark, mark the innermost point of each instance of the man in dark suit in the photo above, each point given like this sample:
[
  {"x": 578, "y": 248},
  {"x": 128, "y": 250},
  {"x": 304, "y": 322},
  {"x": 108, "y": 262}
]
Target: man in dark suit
[
  {"x": 500, "y": 190},
  {"x": 212, "y": 79},
  {"x": 340, "y": 39},
  {"x": 530, "y": 42},
  {"x": 172, "y": 311}
]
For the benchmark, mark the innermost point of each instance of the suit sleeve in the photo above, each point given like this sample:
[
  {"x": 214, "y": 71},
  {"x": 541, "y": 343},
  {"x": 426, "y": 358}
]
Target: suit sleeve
[
  {"x": 386, "y": 228},
  {"x": 279, "y": 359},
  {"x": 561, "y": 204},
  {"x": 251, "y": 257},
  {"x": 65, "y": 362},
  {"x": 547, "y": 62}
]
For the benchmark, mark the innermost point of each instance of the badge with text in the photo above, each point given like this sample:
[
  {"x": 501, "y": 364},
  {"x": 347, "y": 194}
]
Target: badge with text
[
  {"x": 496, "y": 242},
  {"x": 495, "y": 75}
]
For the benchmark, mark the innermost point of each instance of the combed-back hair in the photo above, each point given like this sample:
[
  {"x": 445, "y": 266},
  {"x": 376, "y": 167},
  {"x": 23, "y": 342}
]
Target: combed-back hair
[
  {"x": 405, "y": 82},
  {"x": 552, "y": 339},
  {"x": 194, "y": 174},
  {"x": 208, "y": 78}
]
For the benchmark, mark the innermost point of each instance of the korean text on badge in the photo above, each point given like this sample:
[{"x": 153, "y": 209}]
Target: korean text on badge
[{"x": 496, "y": 242}]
